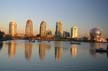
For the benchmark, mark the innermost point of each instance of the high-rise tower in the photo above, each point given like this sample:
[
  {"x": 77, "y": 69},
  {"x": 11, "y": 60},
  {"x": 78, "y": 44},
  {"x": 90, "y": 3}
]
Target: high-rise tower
[
  {"x": 12, "y": 28},
  {"x": 59, "y": 30},
  {"x": 29, "y": 28},
  {"x": 43, "y": 29},
  {"x": 74, "y": 32}
]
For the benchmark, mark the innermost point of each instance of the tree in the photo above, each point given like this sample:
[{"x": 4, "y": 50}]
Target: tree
[{"x": 1, "y": 34}]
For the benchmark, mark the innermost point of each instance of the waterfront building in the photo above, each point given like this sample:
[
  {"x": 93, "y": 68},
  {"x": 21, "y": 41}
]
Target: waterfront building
[
  {"x": 12, "y": 28},
  {"x": 66, "y": 34},
  {"x": 29, "y": 28},
  {"x": 74, "y": 32},
  {"x": 43, "y": 29},
  {"x": 96, "y": 35},
  {"x": 49, "y": 34},
  {"x": 59, "y": 30}
]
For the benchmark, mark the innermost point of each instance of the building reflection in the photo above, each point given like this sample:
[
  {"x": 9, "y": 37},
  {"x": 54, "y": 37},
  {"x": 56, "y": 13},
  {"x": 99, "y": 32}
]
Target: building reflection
[
  {"x": 28, "y": 50},
  {"x": 73, "y": 50},
  {"x": 42, "y": 50},
  {"x": 98, "y": 45},
  {"x": 107, "y": 52},
  {"x": 93, "y": 47},
  {"x": 58, "y": 51},
  {"x": 1, "y": 45},
  {"x": 11, "y": 49}
]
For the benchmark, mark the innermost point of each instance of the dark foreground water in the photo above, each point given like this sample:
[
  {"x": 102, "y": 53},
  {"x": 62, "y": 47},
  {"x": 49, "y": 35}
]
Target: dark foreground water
[{"x": 22, "y": 55}]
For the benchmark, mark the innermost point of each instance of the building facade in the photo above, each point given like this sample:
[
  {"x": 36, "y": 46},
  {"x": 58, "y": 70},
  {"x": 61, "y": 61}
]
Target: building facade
[
  {"x": 96, "y": 35},
  {"x": 74, "y": 32},
  {"x": 12, "y": 28},
  {"x": 59, "y": 30},
  {"x": 43, "y": 29},
  {"x": 49, "y": 34},
  {"x": 29, "y": 28},
  {"x": 66, "y": 34}
]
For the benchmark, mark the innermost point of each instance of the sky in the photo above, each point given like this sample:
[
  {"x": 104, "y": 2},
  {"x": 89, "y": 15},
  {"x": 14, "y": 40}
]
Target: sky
[{"x": 86, "y": 14}]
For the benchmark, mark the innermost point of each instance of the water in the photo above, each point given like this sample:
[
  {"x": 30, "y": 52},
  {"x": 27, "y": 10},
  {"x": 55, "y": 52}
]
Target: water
[{"x": 51, "y": 56}]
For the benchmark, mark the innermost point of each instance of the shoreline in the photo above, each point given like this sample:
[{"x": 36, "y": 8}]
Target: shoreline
[{"x": 86, "y": 41}]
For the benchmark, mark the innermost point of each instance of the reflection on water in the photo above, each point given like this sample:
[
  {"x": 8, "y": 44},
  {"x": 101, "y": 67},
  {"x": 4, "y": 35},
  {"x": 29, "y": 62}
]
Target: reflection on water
[
  {"x": 94, "y": 46},
  {"x": 58, "y": 51},
  {"x": 11, "y": 49},
  {"x": 42, "y": 50},
  {"x": 93, "y": 49},
  {"x": 44, "y": 47},
  {"x": 1, "y": 45},
  {"x": 73, "y": 50},
  {"x": 28, "y": 50},
  {"x": 56, "y": 55}
]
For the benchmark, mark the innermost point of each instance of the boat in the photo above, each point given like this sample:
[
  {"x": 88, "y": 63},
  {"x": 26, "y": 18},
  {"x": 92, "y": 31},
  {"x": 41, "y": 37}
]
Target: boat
[
  {"x": 75, "y": 43},
  {"x": 39, "y": 40},
  {"x": 101, "y": 50},
  {"x": 31, "y": 40},
  {"x": 48, "y": 41}
]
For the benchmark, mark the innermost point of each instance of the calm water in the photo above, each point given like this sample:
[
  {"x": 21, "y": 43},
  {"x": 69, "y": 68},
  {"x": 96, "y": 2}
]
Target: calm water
[{"x": 51, "y": 56}]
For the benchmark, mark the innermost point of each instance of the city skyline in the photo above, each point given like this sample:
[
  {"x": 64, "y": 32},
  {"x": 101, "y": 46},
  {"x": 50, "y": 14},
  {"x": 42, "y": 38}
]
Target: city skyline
[{"x": 85, "y": 14}]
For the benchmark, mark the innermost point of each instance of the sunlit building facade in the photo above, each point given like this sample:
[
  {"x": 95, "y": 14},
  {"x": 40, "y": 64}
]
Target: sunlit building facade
[
  {"x": 59, "y": 30},
  {"x": 29, "y": 28},
  {"x": 12, "y": 28},
  {"x": 43, "y": 29},
  {"x": 74, "y": 32}
]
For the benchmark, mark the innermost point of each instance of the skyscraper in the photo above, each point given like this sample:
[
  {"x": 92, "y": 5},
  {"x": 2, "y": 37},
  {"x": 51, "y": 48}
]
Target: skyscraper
[
  {"x": 59, "y": 30},
  {"x": 74, "y": 32},
  {"x": 43, "y": 29},
  {"x": 12, "y": 28},
  {"x": 29, "y": 28}
]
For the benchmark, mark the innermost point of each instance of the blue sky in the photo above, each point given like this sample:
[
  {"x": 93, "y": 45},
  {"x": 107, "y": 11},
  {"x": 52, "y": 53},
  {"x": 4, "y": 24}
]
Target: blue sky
[{"x": 85, "y": 14}]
